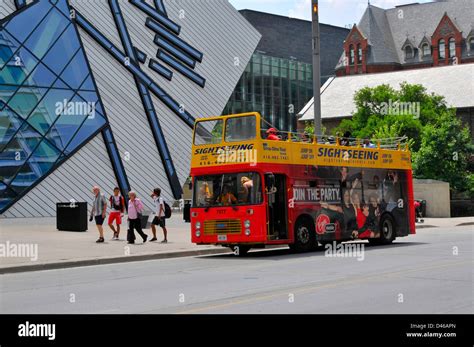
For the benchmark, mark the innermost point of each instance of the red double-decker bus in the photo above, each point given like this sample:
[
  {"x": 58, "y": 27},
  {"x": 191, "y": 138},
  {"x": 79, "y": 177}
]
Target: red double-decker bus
[{"x": 250, "y": 191}]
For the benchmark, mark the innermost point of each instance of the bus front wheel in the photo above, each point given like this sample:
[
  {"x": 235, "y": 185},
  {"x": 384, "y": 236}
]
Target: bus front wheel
[{"x": 305, "y": 236}]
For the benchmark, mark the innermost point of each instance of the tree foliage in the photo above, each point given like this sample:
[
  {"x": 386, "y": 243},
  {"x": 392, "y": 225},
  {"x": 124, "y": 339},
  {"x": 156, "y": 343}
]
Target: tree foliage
[
  {"x": 445, "y": 153},
  {"x": 440, "y": 144}
]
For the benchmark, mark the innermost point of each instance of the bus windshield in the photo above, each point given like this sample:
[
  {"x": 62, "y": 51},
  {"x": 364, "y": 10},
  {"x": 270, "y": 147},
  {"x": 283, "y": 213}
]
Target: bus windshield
[
  {"x": 228, "y": 190},
  {"x": 208, "y": 132},
  {"x": 240, "y": 129}
]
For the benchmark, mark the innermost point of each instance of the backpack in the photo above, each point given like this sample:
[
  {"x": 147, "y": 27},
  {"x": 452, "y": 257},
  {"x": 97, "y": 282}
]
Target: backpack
[
  {"x": 167, "y": 210},
  {"x": 113, "y": 205}
]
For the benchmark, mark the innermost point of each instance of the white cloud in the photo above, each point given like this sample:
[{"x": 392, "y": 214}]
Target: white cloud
[{"x": 301, "y": 10}]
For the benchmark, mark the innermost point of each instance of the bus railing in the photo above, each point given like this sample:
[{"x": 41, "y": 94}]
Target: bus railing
[{"x": 392, "y": 143}]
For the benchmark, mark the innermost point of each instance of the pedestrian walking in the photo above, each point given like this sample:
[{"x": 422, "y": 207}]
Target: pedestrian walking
[
  {"x": 160, "y": 218},
  {"x": 99, "y": 212},
  {"x": 135, "y": 210},
  {"x": 117, "y": 208}
]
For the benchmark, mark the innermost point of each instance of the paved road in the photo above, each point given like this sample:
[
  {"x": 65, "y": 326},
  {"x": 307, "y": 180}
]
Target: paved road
[{"x": 418, "y": 274}]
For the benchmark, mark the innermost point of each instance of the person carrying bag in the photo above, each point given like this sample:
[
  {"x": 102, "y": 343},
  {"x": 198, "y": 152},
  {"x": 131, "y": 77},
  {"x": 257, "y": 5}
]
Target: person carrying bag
[{"x": 135, "y": 211}]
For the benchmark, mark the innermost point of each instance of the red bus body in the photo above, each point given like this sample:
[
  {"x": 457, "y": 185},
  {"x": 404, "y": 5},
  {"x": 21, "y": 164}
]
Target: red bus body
[{"x": 309, "y": 200}]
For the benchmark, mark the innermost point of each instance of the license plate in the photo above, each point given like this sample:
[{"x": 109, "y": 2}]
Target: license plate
[{"x": 221, "y": 237}]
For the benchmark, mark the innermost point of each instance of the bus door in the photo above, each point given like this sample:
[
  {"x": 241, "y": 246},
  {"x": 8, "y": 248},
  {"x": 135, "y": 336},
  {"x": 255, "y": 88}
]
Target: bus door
[{"x": 277, "y": 207}]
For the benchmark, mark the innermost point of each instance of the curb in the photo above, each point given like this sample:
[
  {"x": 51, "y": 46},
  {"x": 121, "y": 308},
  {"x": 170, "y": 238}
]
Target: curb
[{"x": 106, "y": 261}]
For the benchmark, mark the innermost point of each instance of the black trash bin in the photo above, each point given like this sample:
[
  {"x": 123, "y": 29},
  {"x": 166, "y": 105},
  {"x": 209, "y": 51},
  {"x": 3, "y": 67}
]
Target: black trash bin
[
  {"x": 71, "y": 216},
  {"x": 187, "y": 212},
  {"x": 145, "y": 224}
]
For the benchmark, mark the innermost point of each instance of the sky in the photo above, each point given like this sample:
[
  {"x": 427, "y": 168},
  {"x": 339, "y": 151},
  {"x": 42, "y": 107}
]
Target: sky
[{"x": 336, "y": 12}]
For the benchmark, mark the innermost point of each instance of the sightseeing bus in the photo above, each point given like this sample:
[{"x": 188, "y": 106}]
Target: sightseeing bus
[{"x": 254, "y": 186}]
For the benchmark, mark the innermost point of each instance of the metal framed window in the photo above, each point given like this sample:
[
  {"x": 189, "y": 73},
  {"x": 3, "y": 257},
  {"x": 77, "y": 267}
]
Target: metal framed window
[
  {"x": 442, "y": 49},
  {"x": 452, "y": 47},
  {"x": 351, "y": 55}
]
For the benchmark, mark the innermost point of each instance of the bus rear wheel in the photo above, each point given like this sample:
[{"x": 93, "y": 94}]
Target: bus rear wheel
[
  {"x": 240, "y": 250},
  {"x": 387, "y": 230},
  {"x": 305, "y": 236}
]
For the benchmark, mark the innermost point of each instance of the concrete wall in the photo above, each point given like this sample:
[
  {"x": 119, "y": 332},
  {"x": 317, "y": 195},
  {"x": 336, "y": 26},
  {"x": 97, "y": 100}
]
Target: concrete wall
[{"x": 437, "y": 196}]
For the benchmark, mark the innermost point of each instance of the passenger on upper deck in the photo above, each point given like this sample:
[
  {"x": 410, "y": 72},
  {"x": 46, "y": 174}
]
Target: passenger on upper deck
[
  {"x": 331, "y": 140},
  {"x": 368, "y": 144},
  {"x": 345, "y": 139},
  {"x": 272, "y": 135}
]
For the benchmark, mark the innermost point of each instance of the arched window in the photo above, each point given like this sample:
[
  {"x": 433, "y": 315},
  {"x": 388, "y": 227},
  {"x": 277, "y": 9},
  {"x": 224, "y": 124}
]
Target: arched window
[
  {"x": 452, "y": 48},
  {"x": 351, "y": 55},
  {"x": 408, "y": 52},
  {"x": 426, "y": 49},
  {"x": 442, "y": 49},
  {"x": 359, "y": 53}
]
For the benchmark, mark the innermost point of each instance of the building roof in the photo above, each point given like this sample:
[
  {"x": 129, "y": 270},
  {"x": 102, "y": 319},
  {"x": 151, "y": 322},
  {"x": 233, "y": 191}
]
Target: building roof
[
  {"x": 388, "y": 29},
  {"x": 291, "y": 38},
  {"x": 337, "y": 94}
]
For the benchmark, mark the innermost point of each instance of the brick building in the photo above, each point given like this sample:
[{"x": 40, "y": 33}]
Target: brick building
[
  {"x": 410, "y": 36},
  {"x": 430, "y": 44}
]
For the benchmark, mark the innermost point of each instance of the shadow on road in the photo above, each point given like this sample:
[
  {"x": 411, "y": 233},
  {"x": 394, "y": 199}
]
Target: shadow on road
[{"x": 280, "y": 253}]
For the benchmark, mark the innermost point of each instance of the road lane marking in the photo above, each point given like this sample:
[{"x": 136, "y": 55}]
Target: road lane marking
[{"x": 312, "y": 288}]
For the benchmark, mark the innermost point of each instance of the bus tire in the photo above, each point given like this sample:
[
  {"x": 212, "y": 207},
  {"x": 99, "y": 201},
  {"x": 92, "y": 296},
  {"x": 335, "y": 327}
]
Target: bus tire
[
  {"x": 305, "y": 236},
  {"x": 239, "y": 250},
  {"x": 387, "y": 230}
]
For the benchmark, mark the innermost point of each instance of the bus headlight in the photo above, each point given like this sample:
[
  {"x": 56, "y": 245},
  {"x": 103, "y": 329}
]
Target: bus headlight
[
  {"x": 198, "y": 233},
  {"x": 198, "y": 225},
  {"x": 247, "y": 232},
  {"x": 247, "y": 224}
]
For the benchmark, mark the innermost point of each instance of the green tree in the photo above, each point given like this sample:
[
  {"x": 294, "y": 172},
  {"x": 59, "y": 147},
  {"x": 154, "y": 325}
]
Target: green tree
[
  {"x": 440, "y": 144},
  {"x": 309, "y": 129},
  {"x": 407, "y": 109},
  {"x": 445, "y": 153}
]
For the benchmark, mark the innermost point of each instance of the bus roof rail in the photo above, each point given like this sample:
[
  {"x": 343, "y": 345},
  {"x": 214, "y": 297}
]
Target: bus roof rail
[{"x": 392, "y": 143}]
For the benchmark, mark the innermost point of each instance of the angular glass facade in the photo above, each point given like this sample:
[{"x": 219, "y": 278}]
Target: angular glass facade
[
  {"x": 275, "y": 87},
  {"x": 48, "y": 103}
]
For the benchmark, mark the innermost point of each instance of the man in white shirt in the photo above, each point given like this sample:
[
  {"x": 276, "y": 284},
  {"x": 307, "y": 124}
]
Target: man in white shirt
[{"x": 160, "y": 215}]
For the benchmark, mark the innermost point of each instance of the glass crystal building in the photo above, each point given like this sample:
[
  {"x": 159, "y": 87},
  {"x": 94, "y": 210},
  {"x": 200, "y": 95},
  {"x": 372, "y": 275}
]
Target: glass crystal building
[
  {"x": 278, "y": 82},
  {"x": 104, "y": 92},
  {"x": 275, "y": 87},
  {"x": 43, "y": 70}
]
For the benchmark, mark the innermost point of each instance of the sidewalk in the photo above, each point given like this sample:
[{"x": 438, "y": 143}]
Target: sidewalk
[
  {"x": 61, "y": 249},
  {"x": 445, "y": 222}
]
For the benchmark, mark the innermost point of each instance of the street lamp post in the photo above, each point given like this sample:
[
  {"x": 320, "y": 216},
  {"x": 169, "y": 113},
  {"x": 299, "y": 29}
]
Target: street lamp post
[{"x": 316, "y": 68}]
